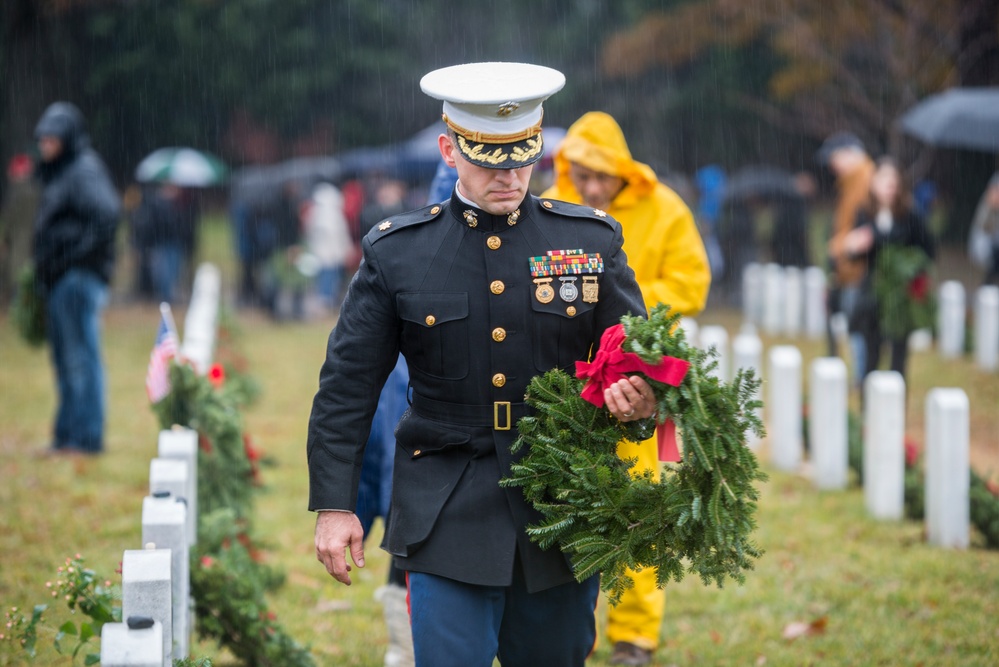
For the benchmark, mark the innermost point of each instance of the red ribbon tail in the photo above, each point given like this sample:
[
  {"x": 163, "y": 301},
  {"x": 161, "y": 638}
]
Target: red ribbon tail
[{"x": 666, "y": 438}]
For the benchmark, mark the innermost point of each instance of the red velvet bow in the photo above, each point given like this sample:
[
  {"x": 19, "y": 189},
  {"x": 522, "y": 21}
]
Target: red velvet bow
[{"x": 612, "y": 363}]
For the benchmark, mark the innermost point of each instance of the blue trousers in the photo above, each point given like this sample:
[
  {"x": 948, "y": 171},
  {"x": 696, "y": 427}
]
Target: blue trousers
[
  {"x": 463, "y": 625},
  {"x": 75, "y": 303}
]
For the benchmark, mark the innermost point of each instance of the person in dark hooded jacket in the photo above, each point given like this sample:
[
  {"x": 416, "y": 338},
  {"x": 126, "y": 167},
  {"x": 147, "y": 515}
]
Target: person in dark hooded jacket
[{"x": 74, "y": 240}]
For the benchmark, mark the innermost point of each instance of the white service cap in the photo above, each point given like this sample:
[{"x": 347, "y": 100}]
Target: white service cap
[{"x": 495, "y": 109}]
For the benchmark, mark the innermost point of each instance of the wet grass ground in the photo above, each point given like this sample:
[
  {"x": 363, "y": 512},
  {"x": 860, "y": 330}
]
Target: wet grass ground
[{"x": 869, "y": 592}]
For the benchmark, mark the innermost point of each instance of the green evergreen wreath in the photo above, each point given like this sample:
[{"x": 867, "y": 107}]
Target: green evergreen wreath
[{"x": 696, "y": 516}]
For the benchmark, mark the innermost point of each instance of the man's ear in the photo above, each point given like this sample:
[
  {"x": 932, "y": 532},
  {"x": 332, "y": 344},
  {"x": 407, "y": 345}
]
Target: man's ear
[{"x": 446, "y": 147}]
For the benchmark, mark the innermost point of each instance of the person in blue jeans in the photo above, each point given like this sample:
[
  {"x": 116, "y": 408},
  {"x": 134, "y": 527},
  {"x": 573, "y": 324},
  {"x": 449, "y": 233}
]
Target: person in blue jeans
[{"x": 73, "y": 256}]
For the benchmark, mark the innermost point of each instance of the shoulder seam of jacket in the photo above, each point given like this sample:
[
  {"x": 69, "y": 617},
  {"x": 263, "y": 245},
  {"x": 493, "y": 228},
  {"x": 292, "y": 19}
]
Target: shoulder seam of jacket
[{"x": 396, "y": 222}]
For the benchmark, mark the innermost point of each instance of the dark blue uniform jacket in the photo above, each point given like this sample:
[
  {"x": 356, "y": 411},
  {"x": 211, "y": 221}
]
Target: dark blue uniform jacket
[{"x": 461, "y": 305}]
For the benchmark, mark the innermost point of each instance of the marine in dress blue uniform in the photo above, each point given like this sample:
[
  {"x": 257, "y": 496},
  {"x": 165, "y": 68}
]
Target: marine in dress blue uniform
[{"x": 478, "y": 303}]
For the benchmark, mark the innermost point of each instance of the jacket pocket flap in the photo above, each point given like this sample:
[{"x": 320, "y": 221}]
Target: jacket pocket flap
[
  {"x": 432, "y": 308},
  {"x": 419, "y": 436}
]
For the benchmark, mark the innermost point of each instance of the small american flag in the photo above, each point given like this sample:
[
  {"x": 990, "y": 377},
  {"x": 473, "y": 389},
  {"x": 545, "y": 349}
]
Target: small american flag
[{"x": 165, "y": 349}]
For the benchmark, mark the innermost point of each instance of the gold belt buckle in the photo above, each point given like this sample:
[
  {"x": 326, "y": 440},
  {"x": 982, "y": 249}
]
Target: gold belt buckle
[{"x": 497, "y": 406}]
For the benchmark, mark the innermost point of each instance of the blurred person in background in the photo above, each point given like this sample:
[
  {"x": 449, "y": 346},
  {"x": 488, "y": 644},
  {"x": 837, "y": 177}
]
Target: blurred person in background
[
  {"x": 983, "y": 239},
  {"x": 710, "y": 181},
  {"x": 74, "y": 256},
  {"x": 327, "y": 238},
  {"x": 887, "y": 220},
  {"x": 389, "y": 199},
  {"x": 167, "y": 239},
  {"x": 845, "y": 156},
  {"x": 594, "y": 167},
  {"x": 18, "y": 210},
  {"x": 789, "y": 241}
]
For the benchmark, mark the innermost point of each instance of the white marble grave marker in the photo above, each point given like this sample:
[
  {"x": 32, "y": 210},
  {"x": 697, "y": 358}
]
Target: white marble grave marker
[
  {"x": 182, "y": 443},
  {"x": 172, "y": 476},
  {"x": 827, "y": 422},
  {"x": 884, "y": 444},
  {"x": 122, "y": 646},
  {"x": 815, "y": 302},
  {"x": 199, "y": 325},
  {"x": 987, "y": 327},
  {"x": 947, "y": 468},
  {"x": 164, "y": 523},
  {"x": 773, "y": 299},
  {"x": 691, "y": 331},
  {"x": 147, "y": 590},
  {"x": 747, "y": 352},
  {"x": 793, "y": 301},
  {"x": 713, "y": 336},
  {"x": 950, "y": 319},
  {"x": 784, "y": 407},
  {"x": 752, "y": 293}
]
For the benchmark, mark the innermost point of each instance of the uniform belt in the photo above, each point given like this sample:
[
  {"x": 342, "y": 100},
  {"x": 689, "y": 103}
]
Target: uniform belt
[{"x": 500, "y": 415}]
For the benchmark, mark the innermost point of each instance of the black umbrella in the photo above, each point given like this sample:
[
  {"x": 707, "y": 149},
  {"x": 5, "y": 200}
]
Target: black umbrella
[
  {"x": 760, "y": 181},
  {"x": 251, "y": 185},
  {"x": 957, "y": 118}
]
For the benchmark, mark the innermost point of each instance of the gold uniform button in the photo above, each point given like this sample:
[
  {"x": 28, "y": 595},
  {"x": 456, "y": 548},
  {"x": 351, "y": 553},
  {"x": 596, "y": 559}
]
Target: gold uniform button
[
  {"x": 499, "y": 334},
  {"x": 431, "y": 320},
  {"x": 546, "y": 204},
  {"x": 570, "y": 311},
  {"x": 499, "y": 380},
  {"x": 494, "y": 242},
  {"x": 417, "y": 452},
  {"x": 497, "y": 287},
  {"x": 435, "y": 210}
]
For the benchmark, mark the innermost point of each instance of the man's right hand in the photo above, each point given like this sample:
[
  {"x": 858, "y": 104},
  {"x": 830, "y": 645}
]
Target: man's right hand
[{"x": 336, "y": 532}]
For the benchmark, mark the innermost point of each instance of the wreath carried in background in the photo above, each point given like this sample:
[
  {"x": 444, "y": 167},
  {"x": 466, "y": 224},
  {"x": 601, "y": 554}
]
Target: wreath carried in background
[
  {"x": 697, "y": 515},
  {"x": 903, "y": 290}
]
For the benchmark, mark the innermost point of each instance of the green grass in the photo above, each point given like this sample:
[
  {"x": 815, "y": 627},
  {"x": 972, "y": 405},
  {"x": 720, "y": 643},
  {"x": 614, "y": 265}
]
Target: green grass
[{"x": 882, "y": 595}]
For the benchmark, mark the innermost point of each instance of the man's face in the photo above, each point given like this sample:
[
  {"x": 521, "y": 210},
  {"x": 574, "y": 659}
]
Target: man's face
[
  {"x": 596, "y": 188},
  {"x": 49, "y": 148},
  {"x": 496, "y": 191}
]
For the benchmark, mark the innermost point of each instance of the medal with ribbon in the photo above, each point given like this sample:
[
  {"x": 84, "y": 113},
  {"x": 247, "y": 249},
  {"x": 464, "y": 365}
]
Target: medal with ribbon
[{"x": 566, "y": 265}]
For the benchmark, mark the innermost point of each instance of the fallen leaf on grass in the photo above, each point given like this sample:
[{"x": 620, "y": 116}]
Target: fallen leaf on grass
[
  {"x": 801, "y": 629},
  {"x": 716, "y": 637}
]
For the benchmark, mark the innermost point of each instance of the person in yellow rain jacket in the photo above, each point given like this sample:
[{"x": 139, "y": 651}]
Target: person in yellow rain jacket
[{"x": 594, "y": 167}]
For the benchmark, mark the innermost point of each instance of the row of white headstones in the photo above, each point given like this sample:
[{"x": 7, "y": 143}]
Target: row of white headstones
[
  {"x": 791, "y": 302},
  {"x": 157, "y": 606},
  {"x": 773, "y": 306}
]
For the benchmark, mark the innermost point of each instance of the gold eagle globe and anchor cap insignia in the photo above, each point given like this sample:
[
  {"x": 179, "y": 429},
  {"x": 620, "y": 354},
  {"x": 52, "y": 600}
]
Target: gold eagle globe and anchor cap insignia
[{"x": 494, "y": 109}]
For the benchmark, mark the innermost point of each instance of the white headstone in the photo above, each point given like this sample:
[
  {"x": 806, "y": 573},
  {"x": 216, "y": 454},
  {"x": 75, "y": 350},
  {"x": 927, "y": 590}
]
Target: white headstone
[
  {"x": 987, "y": 327},
  {"x": 182, "y": 443},
  {"x": 172, "y": 476},
  {"x": 784, "y": 407},
  {"x": 827, "y": 422},
  {"x": 747, "y": 352},
  {"x": 147, "y": 590},
  {"x": 713, "y": 336},
  {"x": 947, "y": 468},
  {"x": 164, "y": 524},
  {"x": 691, "y": 331},
  {"x": 793, "y": 301},
  {"x": 752, "y": 293},
  {"x": 815, "y": 302},
  {"x": 950, "y": 319},
  {"x": 122, "y": 646},
  {"x": 884, "y": 444},
  {"x": 199, "y": 325},
  {"x": 773, "y": 299}
]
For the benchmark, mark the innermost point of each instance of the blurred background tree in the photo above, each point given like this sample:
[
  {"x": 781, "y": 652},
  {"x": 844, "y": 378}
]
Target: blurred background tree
[{"x": 692, "y": 82}]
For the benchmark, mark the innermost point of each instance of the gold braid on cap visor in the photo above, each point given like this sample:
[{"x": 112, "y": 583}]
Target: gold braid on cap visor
[{"x": 482, "y": 137}]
